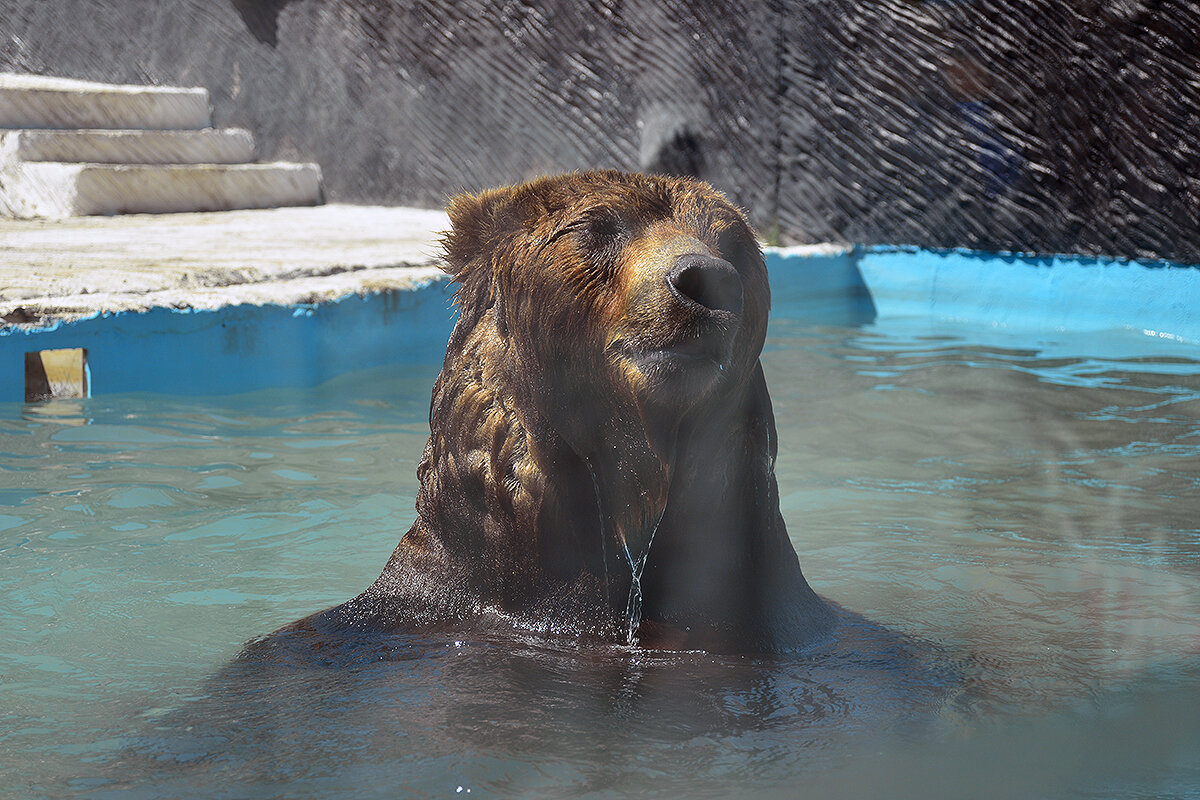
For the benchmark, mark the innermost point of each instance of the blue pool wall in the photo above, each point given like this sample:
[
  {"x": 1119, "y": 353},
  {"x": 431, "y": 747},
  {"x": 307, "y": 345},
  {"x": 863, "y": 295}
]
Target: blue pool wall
[
  {"x": 1018, "y": 293},
  {"x": 1067, "y": 293},
  {"x": 244, "y": 348}
]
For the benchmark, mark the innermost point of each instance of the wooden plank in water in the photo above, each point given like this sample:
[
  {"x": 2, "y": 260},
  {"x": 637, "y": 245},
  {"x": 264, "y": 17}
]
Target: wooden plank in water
[{"x": 56, "y": 373}]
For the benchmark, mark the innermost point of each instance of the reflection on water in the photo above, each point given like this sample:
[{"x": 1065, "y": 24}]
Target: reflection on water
[
  {"x": 522, "y": 717},
  {"x": 1016, "y": 518},
  {"x": 61, "y": 411}
]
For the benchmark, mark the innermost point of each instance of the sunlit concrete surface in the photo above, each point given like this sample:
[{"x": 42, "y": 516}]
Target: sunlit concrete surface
[
  {"x": 69, "y": 269},
  {"x": 207, "y": 146}
]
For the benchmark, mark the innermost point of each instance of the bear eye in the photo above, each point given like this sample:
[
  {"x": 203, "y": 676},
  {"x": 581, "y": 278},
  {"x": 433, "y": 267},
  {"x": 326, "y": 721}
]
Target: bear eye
[
  {"x": 596, "y": 233},
  {"x": 601, "y": 237},
  {"x": 603, "y": 228}
]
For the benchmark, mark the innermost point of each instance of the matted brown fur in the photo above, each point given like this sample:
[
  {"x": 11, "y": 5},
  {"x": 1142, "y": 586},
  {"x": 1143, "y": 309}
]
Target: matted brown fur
[{"x": 602, "y": 443}]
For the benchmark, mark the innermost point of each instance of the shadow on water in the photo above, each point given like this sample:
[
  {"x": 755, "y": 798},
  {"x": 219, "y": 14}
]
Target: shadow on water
[{"x": 426, "y": 715}]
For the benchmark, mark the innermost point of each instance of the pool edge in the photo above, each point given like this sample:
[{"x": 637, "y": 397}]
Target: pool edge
[{"x": 252, "y": 345}]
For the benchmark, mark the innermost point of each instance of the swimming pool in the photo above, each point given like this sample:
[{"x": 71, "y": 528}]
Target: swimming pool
[{"x": 1015, "y": 507}]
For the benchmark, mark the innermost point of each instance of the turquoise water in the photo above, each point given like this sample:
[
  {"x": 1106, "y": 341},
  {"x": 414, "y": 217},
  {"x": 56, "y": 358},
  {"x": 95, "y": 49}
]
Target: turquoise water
[{"x": 1017, "y": 515}]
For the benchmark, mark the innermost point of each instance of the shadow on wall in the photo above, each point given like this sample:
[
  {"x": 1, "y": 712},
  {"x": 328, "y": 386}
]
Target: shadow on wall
[
  {"x": 261, "y": 18},
  {"x": 682, "y": 155},
  {"x": 1035, "y": 126}
]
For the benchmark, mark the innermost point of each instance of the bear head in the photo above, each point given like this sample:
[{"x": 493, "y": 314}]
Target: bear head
[{"x": 647, "y": 287}]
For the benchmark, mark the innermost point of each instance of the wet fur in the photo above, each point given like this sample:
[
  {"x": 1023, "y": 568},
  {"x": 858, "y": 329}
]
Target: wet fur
[{"x": 557, "y": 466}]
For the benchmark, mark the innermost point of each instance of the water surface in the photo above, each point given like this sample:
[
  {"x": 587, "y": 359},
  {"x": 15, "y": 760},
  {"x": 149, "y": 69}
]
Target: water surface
[{"x": 1015, "y": 514}]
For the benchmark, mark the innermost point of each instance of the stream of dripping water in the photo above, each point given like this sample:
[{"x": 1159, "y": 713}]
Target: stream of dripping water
[
  {"x": 633, "y": 606},
  {"x": 633, "y": 603}
]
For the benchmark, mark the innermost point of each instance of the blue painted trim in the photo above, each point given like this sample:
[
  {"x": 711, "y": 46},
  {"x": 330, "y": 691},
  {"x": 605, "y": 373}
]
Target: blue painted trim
[
  {"x": 1011, "y": 291},
  {"x": 242, "y": 348}
]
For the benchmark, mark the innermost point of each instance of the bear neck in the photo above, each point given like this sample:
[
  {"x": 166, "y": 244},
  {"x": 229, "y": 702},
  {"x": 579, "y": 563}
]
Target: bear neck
[
  {"x": 723, "y": 574},
  {"x": 547, "y": 527},
  {"x": 629, "y": 461}
]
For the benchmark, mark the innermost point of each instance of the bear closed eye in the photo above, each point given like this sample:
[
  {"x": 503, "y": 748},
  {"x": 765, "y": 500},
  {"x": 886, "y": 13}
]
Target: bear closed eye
[{"x": 601, "y": 455}]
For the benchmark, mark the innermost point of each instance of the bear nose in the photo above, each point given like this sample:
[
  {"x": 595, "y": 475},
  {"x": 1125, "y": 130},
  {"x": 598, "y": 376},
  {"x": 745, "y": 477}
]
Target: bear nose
[{"x": 707, "y": 281}]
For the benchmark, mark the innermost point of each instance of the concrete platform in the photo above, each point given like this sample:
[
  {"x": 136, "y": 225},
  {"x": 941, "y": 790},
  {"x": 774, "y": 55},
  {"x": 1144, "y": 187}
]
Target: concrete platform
[
  {"x": 219, "y": 303},
  {"x": 63, "y": 270}
]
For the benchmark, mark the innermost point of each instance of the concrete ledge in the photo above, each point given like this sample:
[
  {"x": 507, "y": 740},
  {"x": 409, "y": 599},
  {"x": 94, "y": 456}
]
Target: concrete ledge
[
  {"x": 307, "y": 290},
  {"x": 244, "y": 347},
  {"x": 222, "y": 303},
  {"x": 1059, "y": 293},
  {"x": 57, "y": 190},
  {"x": 1028, "y": 292},
  {"x": 210, "y": 146},
  {"x": 34, "y": 101},
  {"x": 819, "y": 281}
]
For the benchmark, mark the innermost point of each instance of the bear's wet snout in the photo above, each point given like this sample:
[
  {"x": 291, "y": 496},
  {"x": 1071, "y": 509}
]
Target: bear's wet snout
[{"x": 706, "y": 281}]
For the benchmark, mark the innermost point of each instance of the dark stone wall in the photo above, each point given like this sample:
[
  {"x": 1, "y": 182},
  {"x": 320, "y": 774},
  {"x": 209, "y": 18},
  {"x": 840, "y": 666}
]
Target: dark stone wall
[
  {"x": 1038, "y": 125},
  {"x": 1047, "y": 125}
]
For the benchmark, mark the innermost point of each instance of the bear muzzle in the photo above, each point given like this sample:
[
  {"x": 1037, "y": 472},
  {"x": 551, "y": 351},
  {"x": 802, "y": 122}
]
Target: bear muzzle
[
  {"x": 703, "y": 304},
  {"x": 683, "y": 309}
]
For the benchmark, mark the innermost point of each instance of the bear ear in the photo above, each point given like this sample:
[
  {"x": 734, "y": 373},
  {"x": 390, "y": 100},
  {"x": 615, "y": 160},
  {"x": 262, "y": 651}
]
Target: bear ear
[{"x": 478, "y": 223}]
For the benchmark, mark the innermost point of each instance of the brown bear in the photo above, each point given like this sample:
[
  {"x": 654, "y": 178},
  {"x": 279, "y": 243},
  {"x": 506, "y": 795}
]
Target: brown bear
[{"x": 601, "y": 457}]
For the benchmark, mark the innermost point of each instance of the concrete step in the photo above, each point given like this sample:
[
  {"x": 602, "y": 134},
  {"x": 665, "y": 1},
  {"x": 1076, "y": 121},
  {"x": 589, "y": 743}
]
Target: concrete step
[
  {"x": 34, "y": 101},
  {"x": 225, "y": 146},
  {"x": 57, "y": 190}
]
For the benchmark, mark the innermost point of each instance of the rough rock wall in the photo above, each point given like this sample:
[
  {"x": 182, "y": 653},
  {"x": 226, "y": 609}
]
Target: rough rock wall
[
  {"x": 1050, "y": 125},
  {"x": 412, "y": 101}
]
